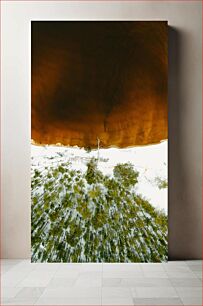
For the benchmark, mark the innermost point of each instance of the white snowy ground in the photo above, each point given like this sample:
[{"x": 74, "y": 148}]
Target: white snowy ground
[{"x": 150, "y": 161}]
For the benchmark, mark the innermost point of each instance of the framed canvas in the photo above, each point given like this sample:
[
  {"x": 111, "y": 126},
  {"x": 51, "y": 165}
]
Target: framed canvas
[{"x": 99, "y": 141}]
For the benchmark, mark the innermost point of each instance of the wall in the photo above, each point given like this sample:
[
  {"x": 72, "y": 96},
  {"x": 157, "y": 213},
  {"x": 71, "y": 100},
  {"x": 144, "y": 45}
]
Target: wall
[{"x": 185, "y": 58}]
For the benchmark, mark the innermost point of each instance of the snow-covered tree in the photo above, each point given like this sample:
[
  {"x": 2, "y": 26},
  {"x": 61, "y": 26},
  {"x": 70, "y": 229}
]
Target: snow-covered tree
[{"x": 91, "y": 217}]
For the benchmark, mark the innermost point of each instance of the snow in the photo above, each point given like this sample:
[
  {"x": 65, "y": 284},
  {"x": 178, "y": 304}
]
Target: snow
[{"x": 150, "y": 161}]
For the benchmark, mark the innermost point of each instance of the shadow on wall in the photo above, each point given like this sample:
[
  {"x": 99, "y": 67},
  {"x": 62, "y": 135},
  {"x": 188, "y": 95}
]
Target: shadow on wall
[{"x": 184, "y": 232}]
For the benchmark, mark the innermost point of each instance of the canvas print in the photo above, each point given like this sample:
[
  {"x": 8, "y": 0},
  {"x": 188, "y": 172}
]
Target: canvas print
[{"x": 99, "y": 141}]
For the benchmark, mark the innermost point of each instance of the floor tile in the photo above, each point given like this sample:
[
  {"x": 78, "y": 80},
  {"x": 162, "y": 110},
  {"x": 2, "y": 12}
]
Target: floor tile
[
  {"x": 116, "y": 292},
  {"x": 155, "y": 274},
  {"x": 67, "y": 274},
  {"x": 37, "y": 279},
  {"x": 88, "y": 282},
  {"x": 197, "y": 268},
  {"x": 178, "y": 274},
  {"x": 6, "y": 268},
  {"x": 81, "y": 267},
  {"x": 117, "y": 301},
  {"x": 11, "y": 279},
  {"x": 121, "y": 266},
  {"x": 154, "y": 292},
  {"x": 158, "y": 301},
  {"x": 90, "y": 275},
  {"x": 193, "y": 262},
  {"x": 185, "y": 282},
  {"x": 28, "y": 292},
  {"x": 46, "y": 267},
  {"x": 189, "y": 291},
  {"x": 4, "y": 301},
  {"x": 69, "y": 301},
  {"x": 176, "y": 268},
  {"x": 61, "y": 282},
  {"x": 192, "y": 301},
  {"x": 152, "y": 267},
  {"x": 91, "y": 267},
  {"x": 73, "y": 292},
  {"x": 112, "y": 282},
  {"x": 123, "y": 274},
  {"x": 198, "y": 274},
  {"x": 9, "y": 292},
  {"x": 21, "y": 301},
  {"x": 146, "y": 282}
]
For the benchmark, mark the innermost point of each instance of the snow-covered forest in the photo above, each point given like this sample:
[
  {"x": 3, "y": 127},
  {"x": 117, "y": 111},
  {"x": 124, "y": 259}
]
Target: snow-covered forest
[{"x": 107, "y": 205}]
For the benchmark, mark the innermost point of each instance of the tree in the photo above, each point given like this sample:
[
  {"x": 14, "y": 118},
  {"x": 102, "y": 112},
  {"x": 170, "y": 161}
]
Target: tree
[
  {"x": 126, "y": 174},
  {"x": 93, "y": 174},
  {"x": 161, "y": 183}
]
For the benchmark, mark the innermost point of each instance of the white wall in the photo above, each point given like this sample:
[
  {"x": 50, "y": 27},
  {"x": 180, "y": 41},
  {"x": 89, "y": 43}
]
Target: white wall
[{"x": 184, "y": 112}]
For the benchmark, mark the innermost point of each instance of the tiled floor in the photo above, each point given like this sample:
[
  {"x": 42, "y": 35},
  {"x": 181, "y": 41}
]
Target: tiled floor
[{"x": 172, "y": 283}]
